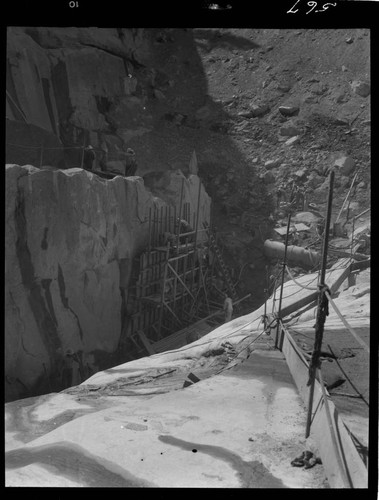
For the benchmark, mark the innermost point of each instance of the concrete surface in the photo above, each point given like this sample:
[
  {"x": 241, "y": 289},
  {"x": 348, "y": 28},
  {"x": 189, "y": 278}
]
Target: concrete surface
[{"x": 240, "y": 428}]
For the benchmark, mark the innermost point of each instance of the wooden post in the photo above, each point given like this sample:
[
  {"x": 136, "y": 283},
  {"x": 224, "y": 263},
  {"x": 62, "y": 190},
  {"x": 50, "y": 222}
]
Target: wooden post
[
  {"x": 149, "y": 247},
  {"x": 180, "y": 214},
  {"x": 321, "y": 310},
  {"x": 41, "y": 155},
  {"x": 197, "y": 213},
  {"x": 82, "y": 161},
  {"x": 352, "y": 239}
]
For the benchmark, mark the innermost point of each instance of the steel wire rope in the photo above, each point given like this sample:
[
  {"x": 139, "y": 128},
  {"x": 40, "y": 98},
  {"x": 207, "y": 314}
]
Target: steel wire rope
[
  {"x": 347, "y": 378},
  {"x": 329, "y": 270},
  {"x": 291, "y": 329},
  {"x": 17, "y": 107},
  {"x": 297, "y": 283},
  {"x": 351, "y": 330}
]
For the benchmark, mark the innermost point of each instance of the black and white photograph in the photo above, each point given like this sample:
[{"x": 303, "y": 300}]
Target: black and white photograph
[{"x": 187, "y": 252}]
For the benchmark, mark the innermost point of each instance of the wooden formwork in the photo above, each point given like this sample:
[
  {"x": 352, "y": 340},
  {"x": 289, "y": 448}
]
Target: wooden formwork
[{"x": 169, "y": 289}]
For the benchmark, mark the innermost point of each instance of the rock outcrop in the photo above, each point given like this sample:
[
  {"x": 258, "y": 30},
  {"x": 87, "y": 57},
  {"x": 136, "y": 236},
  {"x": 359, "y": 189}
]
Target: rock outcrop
[{"x": 71, "y": 237}]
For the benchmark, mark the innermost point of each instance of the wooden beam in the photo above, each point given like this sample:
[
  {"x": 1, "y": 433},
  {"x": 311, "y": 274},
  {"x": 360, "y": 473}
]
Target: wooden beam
[
  {"x": 149, "y": 348},
  {"x": 179, "y": 278}
]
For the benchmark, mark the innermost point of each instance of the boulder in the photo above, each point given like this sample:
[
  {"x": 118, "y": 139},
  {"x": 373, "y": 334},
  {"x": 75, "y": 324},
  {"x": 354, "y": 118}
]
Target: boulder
[
  {"x": 268, "y": 177},
  {"x": 115, "y": 166},
  {"x": 301, "y": 173},
  {"x": 158, "y": 94},
  {"x": 259, "y": 110},
  {"x": 272, "y": 164},
  {"x": 344, "y": 164},
  {"x": 245, "y": 114},
  {"x": 289, "y": 130},
  {"x": 318, "y": 88},
  {"x": 289, "y": 110},
  {"x": 284, "y": 86},
  {"x": 292, "y": 141},
  {"x": 361, "y": 88},
  {"x": 314, "y": 180}
]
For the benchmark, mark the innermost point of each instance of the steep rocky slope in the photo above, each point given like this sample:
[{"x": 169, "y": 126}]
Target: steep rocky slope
[
  {"x": 167, "y": 92},
  {"x": 259, "y": 107}
]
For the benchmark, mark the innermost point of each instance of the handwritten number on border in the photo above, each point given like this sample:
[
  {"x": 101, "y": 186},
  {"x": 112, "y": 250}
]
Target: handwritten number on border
[{"x": 312, "y": 6}]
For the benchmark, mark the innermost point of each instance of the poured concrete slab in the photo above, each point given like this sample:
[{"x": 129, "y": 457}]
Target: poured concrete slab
[
  {"x": 240, "y": 428},
  {"x": 135, "y": 424}
]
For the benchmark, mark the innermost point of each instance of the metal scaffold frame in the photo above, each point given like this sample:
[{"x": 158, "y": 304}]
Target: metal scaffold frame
[{"x": 173, "y": 277}]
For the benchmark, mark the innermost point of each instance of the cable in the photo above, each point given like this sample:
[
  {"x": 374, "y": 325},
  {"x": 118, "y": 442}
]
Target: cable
[
  {"x": 297, "y": 283},
  {"x": 354, "y": 334},
  {"x": 347, "y": 377},
  {"x": 243, "y": 349}
]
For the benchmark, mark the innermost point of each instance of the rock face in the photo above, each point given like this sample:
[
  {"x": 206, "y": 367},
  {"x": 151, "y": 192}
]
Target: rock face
[
  {"x": 70, "y": 241},
  {"x": 54, "y": 82}
]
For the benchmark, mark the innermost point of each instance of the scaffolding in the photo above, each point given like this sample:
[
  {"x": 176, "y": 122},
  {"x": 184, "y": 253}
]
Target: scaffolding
[{"x": 172, "y": 285}]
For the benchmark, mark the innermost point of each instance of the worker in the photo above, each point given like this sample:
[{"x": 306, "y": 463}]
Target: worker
[
  {"x": 228, "y": 308},
  {"x": 300, "y": 199},
  {"x": 89, "y": 158},
  {"x": 130, "y": 163}
]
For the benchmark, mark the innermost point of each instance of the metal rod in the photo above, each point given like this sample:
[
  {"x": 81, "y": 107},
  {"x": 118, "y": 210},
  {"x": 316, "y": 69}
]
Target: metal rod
[
  {"x": 197, "y": 211},
  {"x": 352, "y": 239},
  {"x": 149, "y": 247},
  {"x": 84, "y": 141},
  {"x": 161, "y": 221},
  {"x": 320, "y": 319},
  {"x": 180, "y": 212},
  {"x": 163, "y": 290},
  {"x": 278, "y": 326},
  {"x": 362, "y": 213},
  {"x": 347, "y": 196},
  {"x": 41, "y": 155}
]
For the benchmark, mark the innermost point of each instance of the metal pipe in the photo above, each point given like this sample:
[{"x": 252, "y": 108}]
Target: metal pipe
[
  {"x": 297, "y": 255},
  {"x": 180, "y": 212}
]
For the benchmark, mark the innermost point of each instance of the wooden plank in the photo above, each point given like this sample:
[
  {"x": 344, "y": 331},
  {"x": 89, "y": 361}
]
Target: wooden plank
[{"x": 149, "y": 348}]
